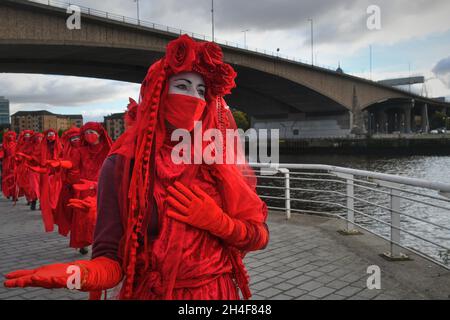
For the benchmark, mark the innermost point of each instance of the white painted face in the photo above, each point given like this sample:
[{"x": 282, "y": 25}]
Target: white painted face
[{"x": 189, "y": 84}]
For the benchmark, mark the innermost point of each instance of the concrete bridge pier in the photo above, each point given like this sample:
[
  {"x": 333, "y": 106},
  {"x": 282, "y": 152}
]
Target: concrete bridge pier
[
  {"x": 407, "y": 110},
  {"x": 425, "y": 120}
]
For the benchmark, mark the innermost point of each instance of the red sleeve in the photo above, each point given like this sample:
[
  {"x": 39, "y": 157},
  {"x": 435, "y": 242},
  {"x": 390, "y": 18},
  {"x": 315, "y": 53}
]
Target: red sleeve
[{"x": 248, "y": 236}]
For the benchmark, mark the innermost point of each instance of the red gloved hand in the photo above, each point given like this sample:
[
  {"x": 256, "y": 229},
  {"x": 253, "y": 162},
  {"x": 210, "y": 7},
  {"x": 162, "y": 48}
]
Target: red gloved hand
[
  {"x": 53, "y": 163},
  {"x": 37, "y": 169},
  {"x": 23, "y": 155},
  {"x": 85, "y": 204},
  {"x": 99, "y": 274},
  {"x": 85, "y": 185},
  {"x": 197, "y": 209}
]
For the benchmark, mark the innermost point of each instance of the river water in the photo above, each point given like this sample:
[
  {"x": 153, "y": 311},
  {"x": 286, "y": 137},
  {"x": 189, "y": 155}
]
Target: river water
[{"x": 423, "y": 167}]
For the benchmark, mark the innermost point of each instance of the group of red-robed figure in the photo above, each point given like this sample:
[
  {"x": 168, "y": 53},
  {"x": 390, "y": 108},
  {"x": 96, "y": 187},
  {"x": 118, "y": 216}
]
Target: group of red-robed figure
[{"x": 61, "y": 173}]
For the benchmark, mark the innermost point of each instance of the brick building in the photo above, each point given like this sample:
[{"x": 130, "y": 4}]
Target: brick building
[
  {"x": 43, "y": 120},
  {"x": 115, "y": 125}
]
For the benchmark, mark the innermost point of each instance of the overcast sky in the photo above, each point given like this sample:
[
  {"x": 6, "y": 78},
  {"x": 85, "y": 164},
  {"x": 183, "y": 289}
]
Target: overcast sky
[{"x": 414, "y": 35}]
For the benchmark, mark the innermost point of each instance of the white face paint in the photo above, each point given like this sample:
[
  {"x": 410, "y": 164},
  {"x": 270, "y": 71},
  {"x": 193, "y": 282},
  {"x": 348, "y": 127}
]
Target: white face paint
[{"x": 189, "y": 84}]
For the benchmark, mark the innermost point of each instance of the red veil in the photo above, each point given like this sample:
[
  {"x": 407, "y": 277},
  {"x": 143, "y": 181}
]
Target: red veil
[{"x": 142, "y": 141}]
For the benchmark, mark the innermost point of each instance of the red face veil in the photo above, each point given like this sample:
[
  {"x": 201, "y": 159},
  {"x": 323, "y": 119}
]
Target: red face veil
[{"x": 145, "y": 138}]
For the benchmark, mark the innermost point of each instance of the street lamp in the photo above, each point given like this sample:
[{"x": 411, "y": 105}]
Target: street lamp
[
  {"x": 212, "y": 19},
  {"x": 312, "y": 41},
  {"x": 137, "y": 7},
  {"x": 245, "y": 37}
]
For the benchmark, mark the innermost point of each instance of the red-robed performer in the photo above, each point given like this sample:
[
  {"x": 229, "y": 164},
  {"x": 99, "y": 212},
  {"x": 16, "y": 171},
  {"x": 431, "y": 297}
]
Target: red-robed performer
[
  {"x": 86, "y": 165},
  {"x": 25, "y": 181},
  {"x": 49, "y": 150},
  {"x": 71, "y": 142},
  {"x": 171, "y": 231},
  {"x": 9, "y": 165}
]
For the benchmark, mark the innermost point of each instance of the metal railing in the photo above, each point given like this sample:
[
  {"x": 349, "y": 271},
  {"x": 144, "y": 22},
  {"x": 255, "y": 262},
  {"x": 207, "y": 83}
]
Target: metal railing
[
  {"x": 409, "y": 213},
  {"x": 178, "y": 31}
]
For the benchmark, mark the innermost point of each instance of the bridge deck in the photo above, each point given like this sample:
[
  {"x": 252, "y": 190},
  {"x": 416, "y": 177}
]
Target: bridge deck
[{"x": 305, "y": 259}]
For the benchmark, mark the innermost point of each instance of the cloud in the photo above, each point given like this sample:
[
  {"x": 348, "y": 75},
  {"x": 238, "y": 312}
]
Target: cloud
[
  {"x": 94, "y": 98},
  {"x": 442, "y": 71}
]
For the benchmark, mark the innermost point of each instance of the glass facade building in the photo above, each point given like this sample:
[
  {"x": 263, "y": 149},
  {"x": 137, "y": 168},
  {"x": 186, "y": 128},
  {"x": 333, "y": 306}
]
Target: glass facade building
[{"x": 4, "y": 112}]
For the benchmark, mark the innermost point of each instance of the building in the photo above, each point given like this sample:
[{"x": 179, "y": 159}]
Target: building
[
  {"x": 115, "y": 125},
  {"x": 43, "y": 120},
  {"x": 4, "y": 113},
  {"x": 75, "y": 119}
]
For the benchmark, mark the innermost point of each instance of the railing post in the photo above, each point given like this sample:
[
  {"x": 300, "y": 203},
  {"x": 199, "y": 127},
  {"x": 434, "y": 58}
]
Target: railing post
[
  {"x": 287, "y": 191},
  {"x": 394, "y": 205},
  {"x": 395, "y": 223},
  {"x": 350, "y": 193}
]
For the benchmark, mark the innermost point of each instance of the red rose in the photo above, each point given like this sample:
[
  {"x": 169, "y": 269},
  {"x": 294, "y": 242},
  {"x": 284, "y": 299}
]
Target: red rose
[
  {"x": 223, "y": 80},
  {"x": 209, "y": 55},
  {"x": 180, "y": 54}
]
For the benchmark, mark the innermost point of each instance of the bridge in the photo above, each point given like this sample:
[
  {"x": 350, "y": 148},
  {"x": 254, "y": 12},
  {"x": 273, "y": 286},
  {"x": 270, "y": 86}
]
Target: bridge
[{"x": 34, "y": 39}]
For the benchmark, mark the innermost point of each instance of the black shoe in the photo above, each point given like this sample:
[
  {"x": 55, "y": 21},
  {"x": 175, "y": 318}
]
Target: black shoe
[
  {"x": 84, "y": 251},
  {"x": 28, "y": 203},
  {"x": 33, "y": 205}
]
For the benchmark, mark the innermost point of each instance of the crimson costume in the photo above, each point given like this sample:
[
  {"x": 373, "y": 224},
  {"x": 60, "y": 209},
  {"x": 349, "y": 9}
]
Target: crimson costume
[
  {"x": 171, "y": 231},
  {"x": 9, "y": 164},
  {"x": 83, "y": 175}
]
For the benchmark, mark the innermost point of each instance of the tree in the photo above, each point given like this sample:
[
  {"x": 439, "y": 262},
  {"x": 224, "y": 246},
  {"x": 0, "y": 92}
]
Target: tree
[
  {"x": 439, "y": 120},
  {"x": 241, "y": 119}
]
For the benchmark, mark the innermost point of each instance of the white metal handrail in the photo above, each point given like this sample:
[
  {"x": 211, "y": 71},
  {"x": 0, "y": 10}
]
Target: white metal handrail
[{"x": 274, "y": 178}]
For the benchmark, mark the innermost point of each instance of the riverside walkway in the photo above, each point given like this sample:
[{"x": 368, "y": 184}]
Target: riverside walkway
[{"x": 306, "y": 259}]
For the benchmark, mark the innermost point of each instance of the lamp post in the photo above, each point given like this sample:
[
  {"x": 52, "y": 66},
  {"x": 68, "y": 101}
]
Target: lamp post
[
  {"x": 312, "y": 41},
  {"x": 137, "y": 8},
  {"x": 212, "y": 19},
  {"x": 245, "y": 37}
]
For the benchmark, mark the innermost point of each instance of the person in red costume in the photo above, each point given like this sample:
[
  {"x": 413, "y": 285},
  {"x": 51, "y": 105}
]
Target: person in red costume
[
  {"x": 24, "y": 153},
  {"x": 171, "y": 231},
  {"x": 71, "y": 141},
  {"x": 35, "y": 177},
  {"x": 49, "y": 149},
  {"x": 83, "y": 175},
  {"x": 9, "y": 165}
]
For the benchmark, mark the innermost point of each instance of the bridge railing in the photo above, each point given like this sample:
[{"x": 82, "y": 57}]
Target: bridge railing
[
  {"x": 177, "y": 31},
  {"x": 409, "y": 213}
]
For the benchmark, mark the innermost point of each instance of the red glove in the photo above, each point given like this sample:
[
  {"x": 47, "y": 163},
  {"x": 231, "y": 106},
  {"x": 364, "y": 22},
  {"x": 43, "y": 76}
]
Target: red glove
[
  {"x": 38, "y": 169},
  {"x": 199, "y": 210},
  {"x": 99, "y": 274},
  {"x": 85, "y": 204},
  {"x": 85, "y": 185},
  {"x": 53, "y": 163},
  {"x": 23, "y": 155}
]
